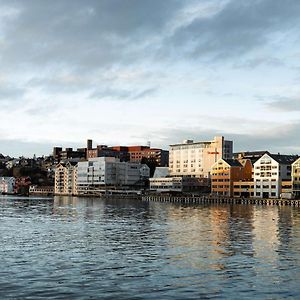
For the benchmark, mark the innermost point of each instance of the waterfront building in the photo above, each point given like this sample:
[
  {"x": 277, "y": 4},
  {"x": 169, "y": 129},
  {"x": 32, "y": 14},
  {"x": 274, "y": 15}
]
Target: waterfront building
[
  {"x": 296, "y": 178},
  {"x": 65, "y": 179},
  {"x": 269, "y": 173},
  {"x": 225, "y": 172},
  {"x": 179, "y": 184},
  {"x": 286, "y": 189},
  {"x": 7, "y": 185},
  {"x": 195, "y": 159},
  {"x": 163, "y": 182},
  {"x": 243, "y": 188},
  {"x": 41, "y": 190},
  {"x": 102, "y": 172}
]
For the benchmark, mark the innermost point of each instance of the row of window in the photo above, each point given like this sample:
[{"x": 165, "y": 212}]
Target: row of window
[{"x": 266, "y": 186}]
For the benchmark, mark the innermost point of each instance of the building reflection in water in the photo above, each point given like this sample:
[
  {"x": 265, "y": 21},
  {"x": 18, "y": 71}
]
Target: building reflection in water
[{"x": 207, "y": 236}]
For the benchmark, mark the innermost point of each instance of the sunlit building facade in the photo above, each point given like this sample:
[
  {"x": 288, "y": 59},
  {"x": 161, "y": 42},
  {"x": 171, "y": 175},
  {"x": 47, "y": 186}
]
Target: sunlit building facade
[{"x": 195, "y": 159}]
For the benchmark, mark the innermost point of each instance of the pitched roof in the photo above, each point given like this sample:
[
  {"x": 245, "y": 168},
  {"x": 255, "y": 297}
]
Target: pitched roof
[
  {"x": 233, "y": 162},
  {"x": 284, "y": 159}
]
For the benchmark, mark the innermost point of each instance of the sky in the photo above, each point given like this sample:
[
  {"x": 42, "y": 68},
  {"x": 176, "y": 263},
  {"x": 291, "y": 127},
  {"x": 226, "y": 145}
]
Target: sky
[{"x": 125, "y": 72}]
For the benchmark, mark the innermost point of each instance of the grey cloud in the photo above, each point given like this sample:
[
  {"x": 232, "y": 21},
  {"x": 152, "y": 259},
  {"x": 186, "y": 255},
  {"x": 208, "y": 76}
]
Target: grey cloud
[
  {"x": 238, "y": 28},
  {"x": 90, "y": 34},
  {"x": 122, "y": 94},
  {"x": 285, "y": 104},
  {"x": 99, "y": 34}
]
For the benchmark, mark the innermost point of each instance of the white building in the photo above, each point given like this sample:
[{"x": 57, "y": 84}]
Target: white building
[
  {"x": 195, "y": 159},
  {"x": 269, "y": 172},
  {"x": 7, "y": 185},
  {"x": 100, "y": 172},
  {"x": 41, "y": 190},
  {"x": 166, "y": 184}
]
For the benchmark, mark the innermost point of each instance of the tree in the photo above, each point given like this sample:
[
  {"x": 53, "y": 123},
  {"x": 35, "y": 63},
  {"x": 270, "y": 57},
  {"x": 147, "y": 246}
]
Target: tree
[{"x": 151, "y": 163}]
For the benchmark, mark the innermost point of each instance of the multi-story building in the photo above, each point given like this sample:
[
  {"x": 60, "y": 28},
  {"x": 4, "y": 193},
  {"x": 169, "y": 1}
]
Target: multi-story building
[
  {"x": 65, "y": 180},
  {"x": 162, "y": 182},
  {"x": 225, "y": 172},
  {"x": 7, "y": 185},
  {"x": 129, "y": 153},
  {"x": 243, "y": 188},
  {"x": 101, "y": 172},
  {"x": 195, "y": 159},
  {"x": 179, "y": 184},
  {"x": 296, "y": 178},
  {"x": 269, "y": 172},
  {"x": 159, "y": 156}
]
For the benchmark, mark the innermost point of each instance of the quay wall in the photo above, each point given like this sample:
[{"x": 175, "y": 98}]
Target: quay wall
[{"x": 220, "y": 200}]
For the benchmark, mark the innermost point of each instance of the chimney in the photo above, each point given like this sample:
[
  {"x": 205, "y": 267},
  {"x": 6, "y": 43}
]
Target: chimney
[{"x": 89, "y": 144}]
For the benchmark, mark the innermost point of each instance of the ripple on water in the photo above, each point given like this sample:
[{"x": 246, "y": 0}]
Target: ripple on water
[{"x": 90, "y": 248}]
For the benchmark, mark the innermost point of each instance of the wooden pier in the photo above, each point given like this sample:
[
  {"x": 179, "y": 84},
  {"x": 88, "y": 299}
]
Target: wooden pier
[{"x": 220, "y": 200}]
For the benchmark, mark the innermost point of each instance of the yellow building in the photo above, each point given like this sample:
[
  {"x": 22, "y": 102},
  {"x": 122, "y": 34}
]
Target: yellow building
[{"x": 226, "y": 172}]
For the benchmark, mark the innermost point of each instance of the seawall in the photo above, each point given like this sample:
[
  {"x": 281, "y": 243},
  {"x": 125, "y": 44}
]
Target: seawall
[{"x": 220, "y": 200}]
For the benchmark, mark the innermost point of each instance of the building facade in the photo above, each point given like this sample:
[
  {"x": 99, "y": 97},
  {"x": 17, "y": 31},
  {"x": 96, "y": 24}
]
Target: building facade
[
  {"x": 98, "y": 173},
  {"x": 225, "y": 172},
  {"x": 296, "y": 178},
  {"x": 41, "y": 190},
  {"x": 7, "y": 185},
  {"x": 65, "y": 179},
  {"x": 179, "y": 184},
  {"x": 195, "y": 159},
  {"x": 159, "y": 156},
  {"x": 269, "y": 173}
]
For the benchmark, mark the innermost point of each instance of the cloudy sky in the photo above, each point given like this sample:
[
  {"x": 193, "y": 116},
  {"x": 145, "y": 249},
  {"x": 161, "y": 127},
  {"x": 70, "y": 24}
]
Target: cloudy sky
[{"x": 132, "y": 71}]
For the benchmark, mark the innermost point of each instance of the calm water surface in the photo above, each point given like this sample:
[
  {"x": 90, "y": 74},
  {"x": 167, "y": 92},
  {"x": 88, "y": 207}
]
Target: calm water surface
[{"x": 70, "y": 248}]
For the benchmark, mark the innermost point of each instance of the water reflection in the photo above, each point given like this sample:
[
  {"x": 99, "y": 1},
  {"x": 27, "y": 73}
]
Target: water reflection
[{"x": 91, "y": 248}]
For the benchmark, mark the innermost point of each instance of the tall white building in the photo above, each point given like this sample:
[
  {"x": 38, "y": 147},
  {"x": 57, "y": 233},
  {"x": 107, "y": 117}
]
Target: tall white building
[
  {"x": 195, "y": 159},
  {"x": 98, "y": 172},
  {"x": 7, "y": 185},
  {"x": 269, "y": 173}
]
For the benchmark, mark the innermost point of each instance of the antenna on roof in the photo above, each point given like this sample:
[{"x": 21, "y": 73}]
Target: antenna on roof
[{"x": 149, "y": 144}]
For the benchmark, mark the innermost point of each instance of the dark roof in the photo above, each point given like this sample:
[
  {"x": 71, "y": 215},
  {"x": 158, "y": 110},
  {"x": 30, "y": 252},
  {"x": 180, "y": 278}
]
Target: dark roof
[
  {"x": 284, "y": 159},
  {"x": 252, "y": 155},
  {"x": 233, "y": 162}
]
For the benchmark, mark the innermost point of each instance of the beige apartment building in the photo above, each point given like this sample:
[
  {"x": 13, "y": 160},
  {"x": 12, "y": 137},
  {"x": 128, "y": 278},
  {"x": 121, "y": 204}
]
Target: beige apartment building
[
  {"x": 65, "y": 182},
  {"x": 195, "y": 159},
  {"x": 296, "y": 178}
]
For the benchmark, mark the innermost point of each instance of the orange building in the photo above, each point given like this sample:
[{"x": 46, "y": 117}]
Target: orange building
[{"x": 226, "y": 172}]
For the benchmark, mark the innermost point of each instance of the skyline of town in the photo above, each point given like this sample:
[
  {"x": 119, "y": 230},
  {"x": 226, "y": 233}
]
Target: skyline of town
[{"x": 22, "y": 152}]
